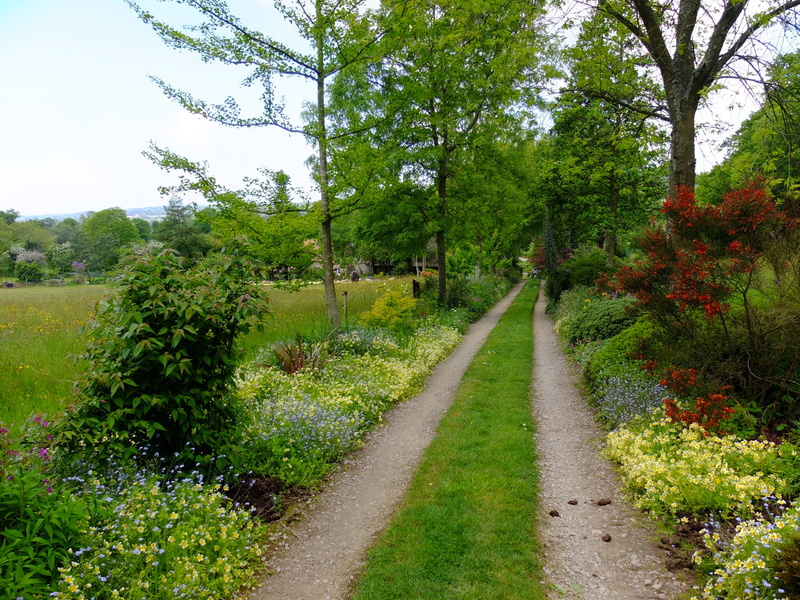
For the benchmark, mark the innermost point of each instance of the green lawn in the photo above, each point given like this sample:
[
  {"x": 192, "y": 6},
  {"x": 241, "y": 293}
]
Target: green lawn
[{"x": 467, "y": 528}]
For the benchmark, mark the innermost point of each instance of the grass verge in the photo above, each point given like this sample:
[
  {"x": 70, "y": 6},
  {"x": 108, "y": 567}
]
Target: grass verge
[{"x": 467, "y": 527}]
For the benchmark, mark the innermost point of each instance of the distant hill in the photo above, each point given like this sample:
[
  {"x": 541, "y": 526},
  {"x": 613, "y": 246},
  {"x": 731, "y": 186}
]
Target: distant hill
[{"x": 150, "y": 213}]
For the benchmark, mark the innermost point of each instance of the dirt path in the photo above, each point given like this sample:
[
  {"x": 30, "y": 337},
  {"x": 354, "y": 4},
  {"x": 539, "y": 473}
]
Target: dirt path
[
  {"x": 319, "y": 558},
  {"x": 580, "y": 563}
]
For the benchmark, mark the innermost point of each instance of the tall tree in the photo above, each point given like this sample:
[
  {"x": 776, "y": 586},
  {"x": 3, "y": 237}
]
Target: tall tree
[
  {"x": 338, "y": 36},
  {"x": 460, "y": 68},
  {"x": 180, "y": 230},
  {"x": 693, "y": 45},
  {"x": 609, "y": 157},
  {"x": 106, "y": 233}
]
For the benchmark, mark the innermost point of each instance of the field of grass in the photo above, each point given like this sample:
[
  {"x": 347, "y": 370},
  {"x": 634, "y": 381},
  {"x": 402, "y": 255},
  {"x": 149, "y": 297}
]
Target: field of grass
[
  {"x": 467, "y": 527},
  {"x": 39, "y": 334}
]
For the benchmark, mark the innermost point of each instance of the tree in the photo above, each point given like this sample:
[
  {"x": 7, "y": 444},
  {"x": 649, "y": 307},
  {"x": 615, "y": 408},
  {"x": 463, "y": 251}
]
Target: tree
[
  {"x": 339, "y": 35},
  {"x": 8, "y": 216},
  {"x": 180, "y": 230},
  {"x": 106, "y": 233},
  {"x": 693, "y": 45},
  {"x": 265, "y": 211},
  {"x": 608, "y": 158},
  {"x": 144, "y": 228},
  {"x": 460, "y": 70},
  {"x": 765, "y": 146}
]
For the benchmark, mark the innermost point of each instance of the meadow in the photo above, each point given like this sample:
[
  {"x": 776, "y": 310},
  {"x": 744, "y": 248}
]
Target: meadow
[{"x": 40, "y": 334}]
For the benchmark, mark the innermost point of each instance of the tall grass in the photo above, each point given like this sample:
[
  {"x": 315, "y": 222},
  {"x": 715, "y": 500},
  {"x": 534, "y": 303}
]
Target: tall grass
[
  {"x": 304, "y": 311},
  {"x": 39, "y": 334}
]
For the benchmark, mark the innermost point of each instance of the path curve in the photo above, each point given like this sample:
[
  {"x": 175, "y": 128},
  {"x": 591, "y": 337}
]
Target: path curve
[
  {"x": 580, "y": 564},
  {"x": 323, "y": 554}
]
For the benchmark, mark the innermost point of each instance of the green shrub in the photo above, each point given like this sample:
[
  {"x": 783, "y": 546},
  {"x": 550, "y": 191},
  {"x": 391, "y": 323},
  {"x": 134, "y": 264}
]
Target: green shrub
[
  {"x": 602, "y": 319},
  {"x": 161, "y": 359},
  {"x": 39, "y": 519},
  {"x": 29, "y": 272},
  {"x": 614, "y": 357},
  {"x": 394, "y": 310},
  {"x": 585, "y": 267}
]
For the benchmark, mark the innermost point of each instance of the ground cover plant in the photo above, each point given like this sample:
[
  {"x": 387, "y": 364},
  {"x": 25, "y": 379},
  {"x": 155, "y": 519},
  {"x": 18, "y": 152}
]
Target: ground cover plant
[
  {"x": 39, "y": 334},
  {"x": 467, "y": 526},
  {"x": 672, "y": 469},
  {"x": 303, "y": 422}
]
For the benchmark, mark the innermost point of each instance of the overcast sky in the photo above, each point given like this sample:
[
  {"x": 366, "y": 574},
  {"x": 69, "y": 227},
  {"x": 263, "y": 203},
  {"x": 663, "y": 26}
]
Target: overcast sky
[{"x": 77, "y": 108}]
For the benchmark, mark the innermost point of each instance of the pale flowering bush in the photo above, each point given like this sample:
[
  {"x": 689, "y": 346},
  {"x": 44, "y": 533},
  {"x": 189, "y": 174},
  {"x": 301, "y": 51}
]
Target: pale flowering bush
[
  {"x": 670, "y": 468},
  {"x": 745, "y": 567},
  {"x": 160, "y": 538},
  {"x": 301, "y": 424}
]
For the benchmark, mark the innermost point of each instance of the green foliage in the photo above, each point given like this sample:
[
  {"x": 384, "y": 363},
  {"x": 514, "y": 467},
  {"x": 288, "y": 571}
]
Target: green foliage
[
  {"x": 180, "y": 231},
  {"x": 615, "y": 355},
  {"x": 39, "y": 518},
  {"x": 161, "y": 357},
  {"x": 29, "y": 272},
  {"x": 601, "y": 319},
  {"x": 585, "y": 267},
  {"x": 105, "y": 234},
  {"x": 394, "y": 310},
  {"x": 786, "y": 564}
]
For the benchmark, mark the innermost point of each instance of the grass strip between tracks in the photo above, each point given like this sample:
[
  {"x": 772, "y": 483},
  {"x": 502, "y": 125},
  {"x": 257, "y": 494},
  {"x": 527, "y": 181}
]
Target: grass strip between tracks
[{"x": 467, "y": 527}]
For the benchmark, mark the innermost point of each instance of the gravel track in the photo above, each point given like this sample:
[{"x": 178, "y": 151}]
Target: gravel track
[{"x": 593, "y": 550}]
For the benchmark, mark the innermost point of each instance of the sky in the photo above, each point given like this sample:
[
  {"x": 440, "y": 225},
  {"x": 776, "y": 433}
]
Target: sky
[{"x": 77, "y": 108}]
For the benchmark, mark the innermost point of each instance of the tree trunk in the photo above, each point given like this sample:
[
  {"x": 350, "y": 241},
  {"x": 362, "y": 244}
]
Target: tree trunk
[
  {"x": 682, "y": 164},
  {"x": 328, "y": 276},
  {"x": 441, "y": 248},
  {"x": 610, "y": 241}
]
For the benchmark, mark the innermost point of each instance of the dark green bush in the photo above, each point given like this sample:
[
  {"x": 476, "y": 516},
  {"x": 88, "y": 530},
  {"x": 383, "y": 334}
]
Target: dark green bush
[
  {"x": 614, "y": 357},
  {"x": 602, "y": 319},
  {"x": 585, "y": 267},
  {"x": 161, "y": 358}
]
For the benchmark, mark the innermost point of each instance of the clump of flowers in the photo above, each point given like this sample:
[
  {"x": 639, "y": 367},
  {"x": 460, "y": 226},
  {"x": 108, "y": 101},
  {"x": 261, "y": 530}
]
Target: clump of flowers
[
  {"x": 161, "y": 539},
  {"x": 753, "y": 565},
  {"x": 303, "y": 423},
  {"x": 628, "y": 395},
  {"x": 670, "y": 469}
]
